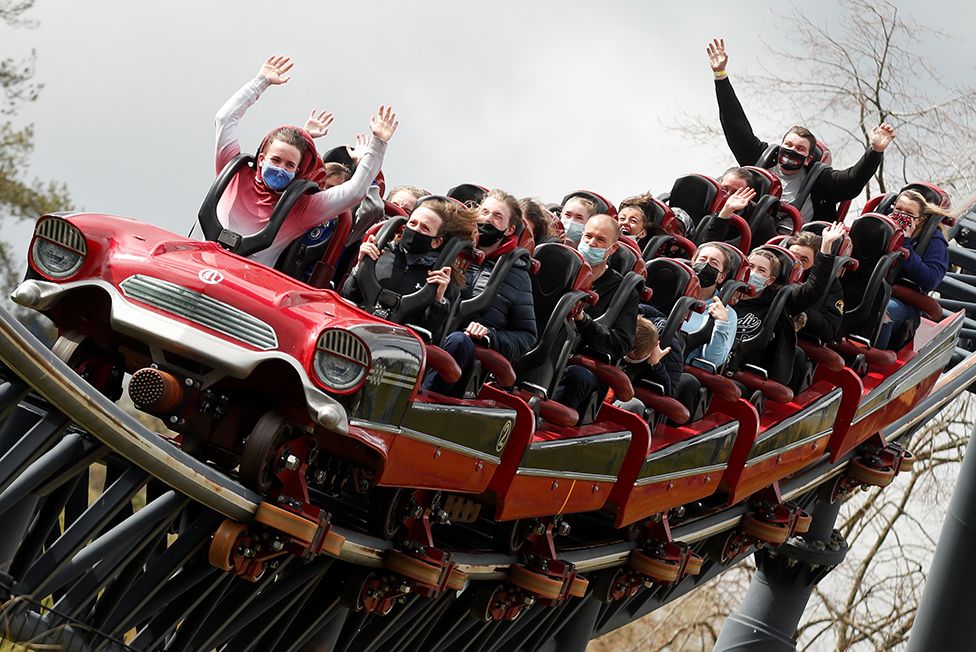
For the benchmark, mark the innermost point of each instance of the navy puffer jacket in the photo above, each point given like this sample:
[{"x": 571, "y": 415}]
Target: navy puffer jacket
[{"x": 510, "y": 318}]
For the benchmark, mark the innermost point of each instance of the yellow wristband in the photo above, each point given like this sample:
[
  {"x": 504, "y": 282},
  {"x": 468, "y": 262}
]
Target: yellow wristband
[{"x": 720, "y": 75}]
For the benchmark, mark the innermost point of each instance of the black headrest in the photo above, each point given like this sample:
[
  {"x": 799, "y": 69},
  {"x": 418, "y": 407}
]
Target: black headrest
[
  {"x": 695, "y": 193},
  {"x": 602, "y": 205},
  {"x": 932, "y": 193},
  {"x": 468, "y": 193},
  {"x": 339, "y": 154},
  {"x": 668, "y": 279},
  {"x": 623, "y": 260},
  {"x": 788, "y": 264},
  {"x": 871, "y": 236},
  {"x": 559, "y": 267}
]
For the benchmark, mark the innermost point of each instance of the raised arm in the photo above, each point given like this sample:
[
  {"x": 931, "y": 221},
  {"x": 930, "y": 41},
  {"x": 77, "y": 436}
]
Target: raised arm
[
  {"x": 327, "y": 204},
  {"x": 738, "y": 132},
  {"x": 841, "y": 185},
  {"x": 273, "y": 71}
]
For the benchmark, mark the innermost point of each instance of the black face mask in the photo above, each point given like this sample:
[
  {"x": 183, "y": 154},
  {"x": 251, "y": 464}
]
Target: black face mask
[
  {"x": 489, "y": 234},
  {"x": 415, "y": 242},
  {"x": 707, "y": 274},
  {"x": 790, "y": 159}
]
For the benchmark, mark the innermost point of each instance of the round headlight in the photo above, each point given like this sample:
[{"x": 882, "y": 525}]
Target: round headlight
[
  {"x": 58, "y": 249},
  {"x": 341, "y": 360}
]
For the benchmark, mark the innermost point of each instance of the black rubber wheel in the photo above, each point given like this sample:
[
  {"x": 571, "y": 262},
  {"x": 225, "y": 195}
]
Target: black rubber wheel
[
  {"x": 509, "y": 537},
  {"x": 259, "y": 455},
  {"x": 386, "y": 511}
]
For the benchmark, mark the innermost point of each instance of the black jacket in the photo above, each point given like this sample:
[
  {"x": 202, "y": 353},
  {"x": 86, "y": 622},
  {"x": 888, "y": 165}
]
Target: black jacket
[
  {"x": 618, "y": 339},
  {"x": 832, "y": 186},
  {"x": 510, "y": 317},
  {"x": 667, "y": 372},
  {"x": 394, "y": 273},
  {"x": 823, "y": 322},
  {"x": 805, "y": 296}
]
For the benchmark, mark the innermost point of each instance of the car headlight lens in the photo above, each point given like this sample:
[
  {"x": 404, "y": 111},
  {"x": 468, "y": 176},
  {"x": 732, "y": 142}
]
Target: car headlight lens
[
  {"x": 341, "y": 360},
  {"x": 58, "y": 248}
]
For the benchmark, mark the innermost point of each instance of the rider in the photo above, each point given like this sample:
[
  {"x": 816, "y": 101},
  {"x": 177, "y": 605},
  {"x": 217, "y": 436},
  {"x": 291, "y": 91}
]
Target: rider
[
  {"x": 911, "y": 211},
  {"x": 635, "y": 219},
  {"x": 823, "y": 322},
  {"x": 712, "y": 266},
  {"x": 286, "y": 153},
  {"x": 406, "y": 264},
  {"x": 597, "y": 244},
  {"x": 795, "y": 152},
  {"x": 406, "y": 197},
  {"x": 507, "y": 325},
  {"x": 720, "y": 229},
  {"x": 574, "y": 216}
]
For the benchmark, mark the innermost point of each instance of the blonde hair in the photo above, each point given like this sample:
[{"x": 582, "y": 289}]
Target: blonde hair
[
  {"x": 588, "y": 204},
  {"x": 457, "y": 221},
  {"x": 771, "y": 257},
  {"x": 512, "y": 204},
  {"x": 927, "y": 209}
]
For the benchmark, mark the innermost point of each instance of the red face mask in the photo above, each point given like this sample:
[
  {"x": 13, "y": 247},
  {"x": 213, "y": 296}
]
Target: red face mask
[{"x": 903, "y": 219}]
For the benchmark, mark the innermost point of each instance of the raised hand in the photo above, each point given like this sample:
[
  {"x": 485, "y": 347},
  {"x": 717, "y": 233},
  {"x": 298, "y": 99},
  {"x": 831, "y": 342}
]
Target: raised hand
[
  {"x": 830, "y": 235},
  {"x": 318, "y": 125},
  {"x": 718, "y": 311},
  {"x": 384, "y": 124},
  {"x": 717, "y": 56},
  {"x": 358, "y": 151},
  {"x": 881, "y": 137},
  {"x": 658, "y": 354},
  {"x": 275, "y": 68},
  {"x": 737, "y": 201},
  {"x": 439, "y": 277}
]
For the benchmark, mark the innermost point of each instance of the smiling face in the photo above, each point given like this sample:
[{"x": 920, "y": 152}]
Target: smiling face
[
  {"x": 281, "y": 155},
  {"x": 631, "y": 220}
]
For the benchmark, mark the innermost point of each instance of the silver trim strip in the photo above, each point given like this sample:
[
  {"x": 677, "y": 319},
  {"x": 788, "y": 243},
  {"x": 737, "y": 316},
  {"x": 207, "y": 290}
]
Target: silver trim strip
[
  {"x": 680, "y": 474},
  {"x": 568, "y": 475},
  {"x": 788, "y": 447},
  {"x": 604, "y": 438},
  {"x": 427, "y": 439}
]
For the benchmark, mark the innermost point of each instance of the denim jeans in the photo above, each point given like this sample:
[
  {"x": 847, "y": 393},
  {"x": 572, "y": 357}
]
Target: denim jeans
[{"x": 899, "y": 313}]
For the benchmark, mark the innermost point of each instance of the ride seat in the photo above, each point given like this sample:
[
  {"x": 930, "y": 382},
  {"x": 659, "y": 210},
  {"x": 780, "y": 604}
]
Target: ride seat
[
  {"x": 469, "y": 194},
  {"x": 603, "y": 205},
  {"x": 877, "y": 246},
  {"x": 698, "y": 195}
]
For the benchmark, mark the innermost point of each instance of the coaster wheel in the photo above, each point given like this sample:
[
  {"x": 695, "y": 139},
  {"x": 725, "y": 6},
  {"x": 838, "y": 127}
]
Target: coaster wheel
[
  {"x": 457, "y": 580},
  {"x": 412, "y": 568},
  {"x": 386, "y": 511},
  {"x": 354, "y": 588},
  {"x": 906, "y": 461},
  {"x": 489, "y": 604},
  {"x": 579, "y": 587},
  {"x": 259, "y": 455},
  {"x": 611, "y": 585},
  {"x": 223, "y": 547},
  {"x": 869, "y": 475},
  {"x": 76, "y": 349},
  {"x": 771, "y": 533},
  {"x": 537, "y": 584},
  {"x": 509, "y": 537},
  {"x": 659, "y": 570},
  {"x": 694, "y": 565},
  {"x": 803, "y": 521}
]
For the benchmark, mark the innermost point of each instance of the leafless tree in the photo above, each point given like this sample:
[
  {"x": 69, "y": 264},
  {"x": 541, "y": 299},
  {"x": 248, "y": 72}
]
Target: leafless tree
[{"x": 866, "y": 67}]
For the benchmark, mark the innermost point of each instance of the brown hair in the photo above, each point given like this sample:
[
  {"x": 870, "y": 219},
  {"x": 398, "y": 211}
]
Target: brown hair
[
  {"x": 927, "y": 209},
  {"x": 512, "y": 204},
  {"x": 639, "y": 202},
  {"x": 457, "y": 220},
  {"x": 289, "y": 136},
  {"x": 645, "y": 339},
  {"x": 727, "y": 267},
  {"x": 333, "y": 167},
  {"x": 586, "y": 203},
  {"x": 538, "y": 217},
  {"x": 771, "y": 257},
  {"x": 416, "y": 191},
  {"x": 805, "y": 239},
  {"x": 803, "y": 132}
]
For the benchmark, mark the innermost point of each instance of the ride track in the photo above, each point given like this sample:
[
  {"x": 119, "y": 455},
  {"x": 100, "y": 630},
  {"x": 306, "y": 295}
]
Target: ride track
[{"x": 120, "y": 579}]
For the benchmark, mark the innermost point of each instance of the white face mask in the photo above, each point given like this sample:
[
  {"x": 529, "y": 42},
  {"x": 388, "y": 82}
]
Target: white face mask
[{"x": 573, "y": 229}]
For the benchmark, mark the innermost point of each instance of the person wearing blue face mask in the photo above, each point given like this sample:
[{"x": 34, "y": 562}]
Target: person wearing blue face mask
[
  {"x": 765, "y": 269},
  {"x": 578, "y": 385},
  {"x": 285, "y": 154},
  {"x": 574, "y": 215}
]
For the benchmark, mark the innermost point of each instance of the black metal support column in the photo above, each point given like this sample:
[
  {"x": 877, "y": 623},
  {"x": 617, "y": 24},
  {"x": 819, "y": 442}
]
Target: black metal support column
[
  {"x": 785, "y": 577},
  {"x": 946, "y": 606}
]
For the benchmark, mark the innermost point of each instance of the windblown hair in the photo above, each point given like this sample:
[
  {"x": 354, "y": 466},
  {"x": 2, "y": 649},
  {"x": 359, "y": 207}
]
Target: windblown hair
[
  {"x": 539, "y": 217},
  {"x": 805, "y": 239},
  {"x": 512, "y": 204},
  {"x": 640, "y": 202},
  {"x": 457, "y": 221},
  {"x": 333, "y": 167},
  {"x": 416, "y": 191}
]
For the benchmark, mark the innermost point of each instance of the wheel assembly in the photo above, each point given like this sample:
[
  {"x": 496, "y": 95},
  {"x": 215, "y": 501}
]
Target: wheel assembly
[
  {"x": 537, "y": 584},
  {"x": 765, "y": 531},
  {"x": 871, "y": 476},
  {"x": 412, "y": 568},
  {"x": 259, "y": 456},
  {"x": 694, "y": 565},
  {"x": 223, "y": 547},
  {"x": 803, "y": 521},
  {"x": 659, "y": 570},
  {"x": 906, "y": 461}
]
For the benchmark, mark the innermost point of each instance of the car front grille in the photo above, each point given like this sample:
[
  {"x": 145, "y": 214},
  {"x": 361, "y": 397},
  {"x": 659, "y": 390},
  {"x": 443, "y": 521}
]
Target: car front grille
[{"x": 200, "y": 309}]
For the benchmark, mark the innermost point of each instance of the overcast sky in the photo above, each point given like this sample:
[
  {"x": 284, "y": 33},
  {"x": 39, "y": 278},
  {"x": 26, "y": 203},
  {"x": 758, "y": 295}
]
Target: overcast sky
[{"x": 538, "y": 98}]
